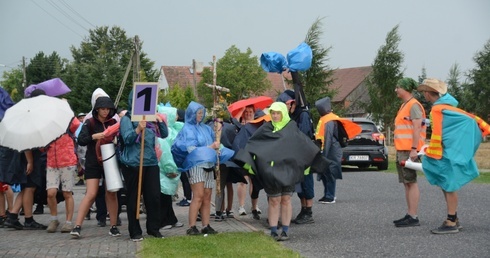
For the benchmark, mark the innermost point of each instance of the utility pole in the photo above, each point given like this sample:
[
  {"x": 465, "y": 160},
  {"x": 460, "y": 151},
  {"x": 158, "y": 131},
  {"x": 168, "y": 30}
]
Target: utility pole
[
  {"x": 194, "y": 77},
  {"x": 136, "y": 62},
  {"x": 24, "y": 80}
]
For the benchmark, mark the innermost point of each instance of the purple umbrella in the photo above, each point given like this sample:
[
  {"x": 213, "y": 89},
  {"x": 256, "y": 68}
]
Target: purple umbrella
[{"x": 54, "y": 87}]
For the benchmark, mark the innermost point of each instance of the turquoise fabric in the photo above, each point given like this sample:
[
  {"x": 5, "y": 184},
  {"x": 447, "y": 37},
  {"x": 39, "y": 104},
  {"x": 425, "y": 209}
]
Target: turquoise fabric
[{"x": 461, "y": 138}]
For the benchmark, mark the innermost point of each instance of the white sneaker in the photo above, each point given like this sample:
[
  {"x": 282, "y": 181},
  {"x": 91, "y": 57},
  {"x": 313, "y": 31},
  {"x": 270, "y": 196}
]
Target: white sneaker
[
  {"x": 167, "y": 227},
  {"x": 178, "y": 225},
  {"x": 259, "y": 211},
  {"x": 241, "y": 211}
]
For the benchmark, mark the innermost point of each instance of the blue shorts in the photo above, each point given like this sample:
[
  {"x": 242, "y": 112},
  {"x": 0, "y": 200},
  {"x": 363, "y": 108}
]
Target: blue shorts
[{"x": 307, "y": 190}]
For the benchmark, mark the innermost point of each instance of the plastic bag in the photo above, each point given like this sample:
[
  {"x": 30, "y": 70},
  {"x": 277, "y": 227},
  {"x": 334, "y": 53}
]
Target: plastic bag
[
  {"x": 299, "y": 59},
  {"x": 273, "y": 62}
]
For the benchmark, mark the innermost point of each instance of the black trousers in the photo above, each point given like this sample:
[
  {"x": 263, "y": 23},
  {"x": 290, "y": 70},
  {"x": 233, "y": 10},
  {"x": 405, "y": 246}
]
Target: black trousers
[
  {"x": 168, "y": 214},
  {"x": 150, "y": 188},
  {"x": 186, "y": 186}
]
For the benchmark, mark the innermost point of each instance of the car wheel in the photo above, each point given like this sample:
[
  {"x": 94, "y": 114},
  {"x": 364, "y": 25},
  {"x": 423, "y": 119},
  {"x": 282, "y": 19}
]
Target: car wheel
[{"x": 383, "y": 166}]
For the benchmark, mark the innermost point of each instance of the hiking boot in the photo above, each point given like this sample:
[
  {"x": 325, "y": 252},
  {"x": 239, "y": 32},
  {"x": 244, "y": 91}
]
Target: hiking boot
[
  {"x": 66, "y": 228},
  {"x": 53, "y": 225},
  {"x": 445, "y": 228},
  {"x": 306, "y": 219},
  {"x": 255, "y": 215},
  {"x": 75, "y": 232},
  {"x": 241, "y": 211},
  {"x": 193, "y": 231},
  {"x": 283, "y": 237},
  {"x": 34, "y": 226},
  {"x": 408, "y": 222},
  {"x": 114, "y": 231},
  {"x": 13, "y": 223},
  {"x": 275, "y": 236},
  {"x": 404, "y": 218},
  {"x": 208, "y": 230}
]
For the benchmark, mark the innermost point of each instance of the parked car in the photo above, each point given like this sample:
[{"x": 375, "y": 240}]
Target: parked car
[{"x": 366, "y": 149}]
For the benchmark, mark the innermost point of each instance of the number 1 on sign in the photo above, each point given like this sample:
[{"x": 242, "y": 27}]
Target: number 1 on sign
[{"x": 145, "y": 96}]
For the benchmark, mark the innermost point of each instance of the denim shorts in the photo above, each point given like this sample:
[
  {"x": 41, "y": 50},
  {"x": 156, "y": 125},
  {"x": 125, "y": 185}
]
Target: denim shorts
[{"x": 307, "y": 187}]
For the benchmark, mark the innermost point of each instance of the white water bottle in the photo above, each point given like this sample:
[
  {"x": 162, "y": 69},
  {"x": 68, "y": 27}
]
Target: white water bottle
[{"x": 412, "y": 165}]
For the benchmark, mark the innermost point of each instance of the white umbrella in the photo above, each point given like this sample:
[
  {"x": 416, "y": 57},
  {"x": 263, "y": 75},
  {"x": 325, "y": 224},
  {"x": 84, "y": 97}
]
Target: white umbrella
[{"x": 35, "y": 122}]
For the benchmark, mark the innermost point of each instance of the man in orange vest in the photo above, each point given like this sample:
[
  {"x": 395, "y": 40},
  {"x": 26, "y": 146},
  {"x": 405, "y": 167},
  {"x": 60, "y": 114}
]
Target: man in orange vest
[
  {"x": 449, "y": 160},
  {"x": 409, "y": 137}
]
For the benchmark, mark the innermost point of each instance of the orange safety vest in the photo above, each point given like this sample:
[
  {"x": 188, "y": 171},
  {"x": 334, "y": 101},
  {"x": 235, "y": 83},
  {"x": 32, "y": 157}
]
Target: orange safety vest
[
  {"x": 403, "y": 133},
  {"x": 352, "y": 129},
  {"x": 435, "y": 145}
]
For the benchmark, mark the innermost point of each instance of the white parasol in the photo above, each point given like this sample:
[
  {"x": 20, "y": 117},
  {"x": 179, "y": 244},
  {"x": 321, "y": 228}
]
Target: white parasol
[{"x": 35, "y": 122}]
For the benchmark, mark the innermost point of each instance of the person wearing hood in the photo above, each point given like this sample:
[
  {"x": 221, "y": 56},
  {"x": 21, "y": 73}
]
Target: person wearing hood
[
  {"x": 331, "y": 149},
  {"x": 305, "y": 189},
  {"x": 279, "y": 171},
  {"x": 449, "y": 160},
  {"x": 131, "y": 133},
  {"x": 194, "y": 151},
  {"x": 102, "y": 116}
]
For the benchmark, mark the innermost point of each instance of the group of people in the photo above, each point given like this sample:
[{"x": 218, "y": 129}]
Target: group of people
[
  {"x": 448, "y": 160},
  {"x": 193, "y": 149}
]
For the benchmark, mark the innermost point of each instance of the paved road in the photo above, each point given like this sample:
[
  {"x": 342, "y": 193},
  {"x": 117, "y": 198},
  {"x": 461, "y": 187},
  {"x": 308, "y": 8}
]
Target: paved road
[{"x": 358, "y": 225}]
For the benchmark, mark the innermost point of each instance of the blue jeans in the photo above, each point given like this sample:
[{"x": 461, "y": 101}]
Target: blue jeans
[{"x": 329, "y": 186}]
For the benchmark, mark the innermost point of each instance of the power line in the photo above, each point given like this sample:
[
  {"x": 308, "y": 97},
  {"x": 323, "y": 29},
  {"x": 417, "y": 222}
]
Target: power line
[
  {"x": 57, "y": 19},
  {"x": 77, "y": 13},
  {"x": 65, "y": 14}
]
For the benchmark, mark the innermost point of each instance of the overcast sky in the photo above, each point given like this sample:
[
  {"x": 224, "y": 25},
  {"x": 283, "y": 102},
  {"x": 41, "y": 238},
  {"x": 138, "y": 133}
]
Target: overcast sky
[{"x": 435, "y": 34}]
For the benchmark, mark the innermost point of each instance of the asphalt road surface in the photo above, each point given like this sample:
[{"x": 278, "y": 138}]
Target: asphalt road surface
[{"x": 360, "y": 223}]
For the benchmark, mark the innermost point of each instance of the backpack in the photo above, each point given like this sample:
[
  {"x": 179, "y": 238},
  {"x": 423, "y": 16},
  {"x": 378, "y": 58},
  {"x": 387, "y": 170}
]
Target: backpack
[{"x": 341, "y": 135}]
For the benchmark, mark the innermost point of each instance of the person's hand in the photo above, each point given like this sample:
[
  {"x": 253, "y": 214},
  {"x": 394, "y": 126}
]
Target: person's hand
[
  {"x": 142, "y": 125},
  {"x": 413, "y": 155},
  {"x": 98, "y": 136},
  {"x": 214, "y": 145},
  {"x": 29, "y": 168}
]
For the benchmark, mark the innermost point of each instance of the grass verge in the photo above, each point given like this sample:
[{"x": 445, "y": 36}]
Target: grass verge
[{"x": 238, "y": 244}]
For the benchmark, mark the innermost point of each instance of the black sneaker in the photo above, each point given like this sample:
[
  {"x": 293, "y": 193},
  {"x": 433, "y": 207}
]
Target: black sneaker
[
  {"x": 157, "y": 235},
  {"x": 404, "y": 218},
  {"x": 75, "y": 232},
  {"x": 184, "y": 203},
  {"x": 208, "y": 230},
  {"x": 193, "y": 231},
  {"x": 326, "y": 200},
  {"x": 446, "y": 229},
  {"x": 2, "y": 220},
  {"x": 34, "y": 226},
  {"x": 255, "y": 215},
  {"x": 300, "y": 216},
  {"x": 80, "y": 182},
  {"x": 114, "y": 231},
  {"x": 10, "y": 223},
  {"x": 275, "y": 236},
  {"x": 219, "y": 217},
  {"x": 284, "y": 236},
  {"x": 39, "y": 209},
  {"x": 101, "y": 223},
  {"x": 137, "y": 238},
  {"x": 306, "y": 219},
  {"x": 198, "y": 217},
  {"x": 229, "y": 214},
  {"x": 408, "y": 222}
]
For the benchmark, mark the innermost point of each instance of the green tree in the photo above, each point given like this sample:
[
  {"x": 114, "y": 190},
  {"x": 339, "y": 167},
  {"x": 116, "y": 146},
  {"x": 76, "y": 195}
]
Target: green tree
[
  {"x": 179, "y": 97},
  {"x": 238, "y": 71},
  {"x": 387, "y": 70},
  {"x": 317, "y": 79},
  {"x": 100, "y": 62},
  {"x": 12, "y": 83},
  {"x": 477, "y": 92},
  {"x": 43, "y": 68}
]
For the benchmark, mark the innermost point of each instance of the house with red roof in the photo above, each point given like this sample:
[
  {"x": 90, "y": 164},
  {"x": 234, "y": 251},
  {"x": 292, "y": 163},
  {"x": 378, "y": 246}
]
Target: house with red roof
[{"x": 349, "y": 84}]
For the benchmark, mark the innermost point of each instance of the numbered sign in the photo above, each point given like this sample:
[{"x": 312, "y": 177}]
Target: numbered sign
[{"x": 145, "y": 97}]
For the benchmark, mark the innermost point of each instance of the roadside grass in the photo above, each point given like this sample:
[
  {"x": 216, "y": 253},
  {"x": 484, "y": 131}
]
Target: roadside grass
[
  {"x": 237, "y": 244},
  {"x": 481, "y": 158}
]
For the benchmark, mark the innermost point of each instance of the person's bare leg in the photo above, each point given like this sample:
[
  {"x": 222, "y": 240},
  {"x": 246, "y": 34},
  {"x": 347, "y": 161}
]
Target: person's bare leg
[
  {"x": 206, "y": 206},
  {"x": 229, "y": 196},
  {"x": 10, "y": 198},
  {"x": 286, "y": 210},
  {"x": 69, "y": 205},
  {"x": 273, "y": 212},
  {"x": 28, "y": 201},
  {"x": 52, "y": 203},
  {"x": 412, "y": 196},
  {"x": 195, "y": 206},
  {"x": 17, "y": 203},
  {"x": 87, "y": 201},
  {"x": 112, "y": 206}
]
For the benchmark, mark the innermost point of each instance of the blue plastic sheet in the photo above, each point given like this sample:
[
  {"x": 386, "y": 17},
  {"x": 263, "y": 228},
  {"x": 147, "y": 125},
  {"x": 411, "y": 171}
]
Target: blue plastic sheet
[
  {"x": 273, "y": 62},
  {"x": 299, "y": 59}
]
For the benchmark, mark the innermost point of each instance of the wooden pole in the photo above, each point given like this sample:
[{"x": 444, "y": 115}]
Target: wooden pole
[
  {"x": 217, "y": 129},
  {"x": 140, "y": 174}
]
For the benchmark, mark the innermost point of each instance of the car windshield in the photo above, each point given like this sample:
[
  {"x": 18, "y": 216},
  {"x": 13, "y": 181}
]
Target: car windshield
[{"x": 368, "y": 127}]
